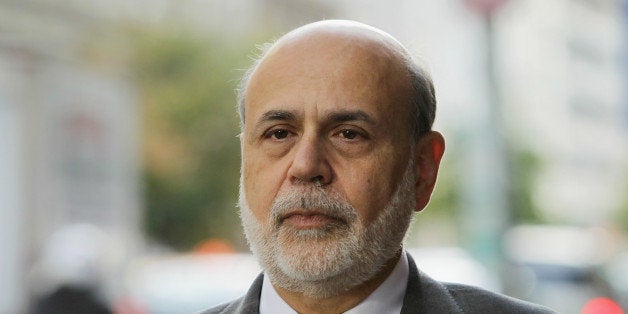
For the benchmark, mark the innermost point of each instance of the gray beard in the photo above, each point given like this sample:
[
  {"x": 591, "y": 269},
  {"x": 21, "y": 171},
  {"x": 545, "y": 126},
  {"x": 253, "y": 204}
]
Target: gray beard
[{"x": 331, "y": 260}]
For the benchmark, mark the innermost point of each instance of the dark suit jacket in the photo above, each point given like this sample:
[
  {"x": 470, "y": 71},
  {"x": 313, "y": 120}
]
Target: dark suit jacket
[{"x": 423, "y": 295}]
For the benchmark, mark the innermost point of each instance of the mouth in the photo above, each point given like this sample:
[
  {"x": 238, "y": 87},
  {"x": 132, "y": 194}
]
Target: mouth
[{"x": 308, "y": 220}]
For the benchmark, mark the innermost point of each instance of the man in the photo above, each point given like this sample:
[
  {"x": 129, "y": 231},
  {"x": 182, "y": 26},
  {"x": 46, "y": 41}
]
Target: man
[{"x": 337, "y": 154}]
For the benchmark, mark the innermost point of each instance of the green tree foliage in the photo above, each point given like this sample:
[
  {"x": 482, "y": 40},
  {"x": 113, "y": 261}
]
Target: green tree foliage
[
  {"x": 191, "y": 151},
  {"x": 524, "y": 167},
  {"x": 443, "y": 214},
  {"x": 621, "y": 214}
]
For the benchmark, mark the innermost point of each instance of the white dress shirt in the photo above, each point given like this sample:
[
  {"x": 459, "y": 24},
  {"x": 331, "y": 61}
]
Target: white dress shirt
[{"x": 386, "y": 299}]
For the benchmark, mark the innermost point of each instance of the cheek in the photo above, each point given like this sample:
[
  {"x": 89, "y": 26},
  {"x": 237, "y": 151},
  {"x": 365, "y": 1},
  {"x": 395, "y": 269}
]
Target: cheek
[
  {"x": 368, "y": 190},
  {"x": 261, "y": 181},
  {"x": 370, "y": 184}
]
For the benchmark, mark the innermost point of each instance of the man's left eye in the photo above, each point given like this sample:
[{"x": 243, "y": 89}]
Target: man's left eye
[
  {"x": 349, "y": 134},
  {"x": 280, "y": 134}
]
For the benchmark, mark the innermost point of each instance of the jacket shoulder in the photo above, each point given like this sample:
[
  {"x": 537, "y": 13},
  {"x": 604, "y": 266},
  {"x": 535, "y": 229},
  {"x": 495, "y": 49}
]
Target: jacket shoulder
[
  {"x": 248, "y": 304},
  {"x": 225, "y": 308},
  {"x": 477, "y": 300}
]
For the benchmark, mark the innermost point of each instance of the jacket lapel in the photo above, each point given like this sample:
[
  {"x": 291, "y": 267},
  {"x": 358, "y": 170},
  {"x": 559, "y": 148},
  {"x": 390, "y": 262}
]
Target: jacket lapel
[
  {"x": 250, "y": 303},
  {"x": 426, "y": 295}
]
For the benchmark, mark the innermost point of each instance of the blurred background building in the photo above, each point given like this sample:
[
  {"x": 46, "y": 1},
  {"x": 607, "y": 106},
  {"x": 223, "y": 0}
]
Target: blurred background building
[
  {"x": 119, "y": 156},
  {"x": 70, "y": 160},
  {"x": 564, "y": 81}
]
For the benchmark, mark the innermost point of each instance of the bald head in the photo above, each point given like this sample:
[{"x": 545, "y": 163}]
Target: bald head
[
  {"x": 357, "y": 49},
  {"x": 345, "y": 30}
]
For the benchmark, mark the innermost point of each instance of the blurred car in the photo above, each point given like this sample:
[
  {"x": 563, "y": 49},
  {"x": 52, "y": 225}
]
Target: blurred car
[
  {"x": 187, "y": 283},
  {"x": 557, "y": 266},
  {"x": 617, "y": 274}
]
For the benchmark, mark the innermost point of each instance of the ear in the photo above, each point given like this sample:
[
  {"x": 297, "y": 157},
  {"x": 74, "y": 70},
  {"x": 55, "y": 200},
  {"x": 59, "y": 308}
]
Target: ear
[{"x": 427, "y": 156}]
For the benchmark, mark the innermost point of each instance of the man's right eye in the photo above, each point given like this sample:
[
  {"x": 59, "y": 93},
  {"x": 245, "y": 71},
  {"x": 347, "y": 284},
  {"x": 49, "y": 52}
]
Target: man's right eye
[{"x": 278, "y": 134}]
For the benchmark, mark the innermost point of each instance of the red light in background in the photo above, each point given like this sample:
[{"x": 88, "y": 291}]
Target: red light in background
[
  {"x": 486, "y": 7},
  {"x": 214, "y": 246},
  {"x": 601, "y": 306}
]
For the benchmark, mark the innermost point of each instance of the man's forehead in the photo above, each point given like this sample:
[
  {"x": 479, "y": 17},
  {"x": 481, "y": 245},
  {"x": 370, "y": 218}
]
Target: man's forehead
[
  {"x": 349, "y": 63},
  {"x": 333, "y": 48}
]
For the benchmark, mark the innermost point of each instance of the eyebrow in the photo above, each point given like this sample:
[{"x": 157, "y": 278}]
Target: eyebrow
[
  {"x": 273, "y": 115},
  {"x": 349, "y": 115}
]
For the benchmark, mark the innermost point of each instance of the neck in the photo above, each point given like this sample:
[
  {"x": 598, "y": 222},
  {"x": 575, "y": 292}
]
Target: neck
[{"x": 340, "y": 303}]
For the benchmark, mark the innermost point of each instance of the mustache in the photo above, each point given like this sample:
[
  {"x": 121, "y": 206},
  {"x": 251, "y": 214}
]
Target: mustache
[{"x": 312, "y": 200}]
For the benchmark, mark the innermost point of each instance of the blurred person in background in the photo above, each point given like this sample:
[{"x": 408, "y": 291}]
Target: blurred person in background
[
  {"x": 70, "y": 271},
  {"x": 337, "y": 154}
]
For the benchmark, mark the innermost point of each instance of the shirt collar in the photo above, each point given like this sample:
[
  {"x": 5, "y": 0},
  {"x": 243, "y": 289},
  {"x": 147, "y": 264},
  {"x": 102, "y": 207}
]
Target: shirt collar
[
  {"x": 387, "y": 298},
  {"x": 270, "y": 302}
]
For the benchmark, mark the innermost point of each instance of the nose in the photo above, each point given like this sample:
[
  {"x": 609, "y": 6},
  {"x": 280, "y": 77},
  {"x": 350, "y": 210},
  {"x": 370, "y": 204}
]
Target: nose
[{"x": 310, "y": 164}]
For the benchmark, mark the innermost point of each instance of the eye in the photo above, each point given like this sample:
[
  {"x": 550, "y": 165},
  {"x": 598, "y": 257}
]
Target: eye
[
  {"x": 277, "y": 134},
  {"x": 351, "y": 140},
  {"x": 349, "y": 134}
]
